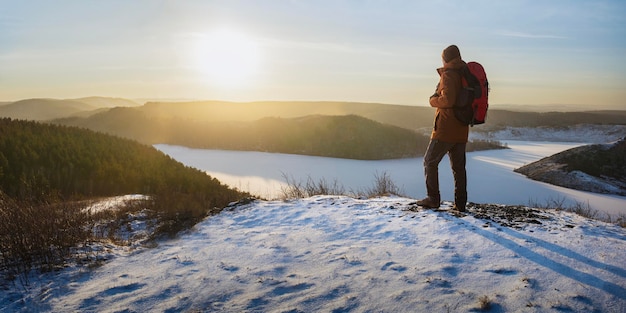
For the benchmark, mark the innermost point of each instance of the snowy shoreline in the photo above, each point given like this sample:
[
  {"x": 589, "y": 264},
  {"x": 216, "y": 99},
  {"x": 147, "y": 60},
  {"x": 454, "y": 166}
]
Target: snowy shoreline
[{"x": 582, "y": 133}]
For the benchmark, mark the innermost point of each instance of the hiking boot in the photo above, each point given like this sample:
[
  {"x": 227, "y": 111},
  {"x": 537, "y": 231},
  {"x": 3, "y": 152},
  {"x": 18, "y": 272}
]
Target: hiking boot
[
  {"x": 459, "y": 208},
  {"x": 428, "y": 203}
]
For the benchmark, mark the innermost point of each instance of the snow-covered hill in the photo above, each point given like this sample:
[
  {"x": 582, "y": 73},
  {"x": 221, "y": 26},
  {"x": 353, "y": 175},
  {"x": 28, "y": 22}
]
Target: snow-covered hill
[
  {"x": 596, "y": 168},
  {"x": 585, "y": 133},
  {"x": 338, "y": 254}
]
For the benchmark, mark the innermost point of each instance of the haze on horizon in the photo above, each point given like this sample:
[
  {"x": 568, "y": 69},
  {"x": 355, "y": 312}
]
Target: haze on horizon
[{"x": 535, "y": 52}]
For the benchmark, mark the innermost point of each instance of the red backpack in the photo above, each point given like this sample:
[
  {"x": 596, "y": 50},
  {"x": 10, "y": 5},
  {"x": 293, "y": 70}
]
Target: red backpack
[{"x": 472, "y": 103}]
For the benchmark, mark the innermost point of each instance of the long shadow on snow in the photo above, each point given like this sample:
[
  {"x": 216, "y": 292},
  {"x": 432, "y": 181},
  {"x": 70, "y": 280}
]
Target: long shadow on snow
[
  {"x": 568, "y": 253},
  {"x": 581, "y": 277}
]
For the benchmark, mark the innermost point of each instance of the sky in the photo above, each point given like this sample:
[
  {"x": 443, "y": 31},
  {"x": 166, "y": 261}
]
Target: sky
[{"x": 534, "y": 52}]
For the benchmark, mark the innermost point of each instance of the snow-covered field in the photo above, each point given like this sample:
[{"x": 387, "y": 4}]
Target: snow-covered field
[{"x": 338, "y": 254}]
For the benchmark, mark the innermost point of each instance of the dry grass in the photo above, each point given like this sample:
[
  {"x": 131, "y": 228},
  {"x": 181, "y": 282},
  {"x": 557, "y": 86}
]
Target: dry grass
[
  {"x": 41, "y": 236},
  {"x": 297, "y": 189},
  {"x": 49, "y": 236},
  {"x": 383, "y": 185},
  {"x": 484, "y": 303},
  {"x": 580, "y": 208}
]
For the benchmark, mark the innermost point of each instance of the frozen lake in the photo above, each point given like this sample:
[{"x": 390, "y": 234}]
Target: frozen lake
[{"x": 490, "y": 174}]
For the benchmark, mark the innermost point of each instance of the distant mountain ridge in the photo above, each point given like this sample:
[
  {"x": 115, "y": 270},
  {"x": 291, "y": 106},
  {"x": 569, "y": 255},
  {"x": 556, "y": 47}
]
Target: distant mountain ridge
[
  {"x": 107, "y": 102},
  {"x": 410, "y": 117},
  {"x": 43, "y": 109},
  {"x": 399, "y": 115},
  {"x": 202, "y": 121},
  {"x": 405, "y": 116}
]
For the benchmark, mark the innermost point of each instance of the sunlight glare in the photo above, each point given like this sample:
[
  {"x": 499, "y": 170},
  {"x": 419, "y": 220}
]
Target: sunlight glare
[{"x": 227, "y": 59}]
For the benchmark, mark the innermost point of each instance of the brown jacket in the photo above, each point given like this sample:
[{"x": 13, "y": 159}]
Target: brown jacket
[{"x": 447, "y": 127}]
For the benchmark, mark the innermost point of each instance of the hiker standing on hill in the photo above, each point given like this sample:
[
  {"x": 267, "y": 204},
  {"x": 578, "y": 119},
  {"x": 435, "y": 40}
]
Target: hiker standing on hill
[{"x": 449, "y": 135}]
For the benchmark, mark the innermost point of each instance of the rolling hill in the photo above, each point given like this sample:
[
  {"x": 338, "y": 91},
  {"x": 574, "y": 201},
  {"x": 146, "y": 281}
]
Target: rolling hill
[
  {"x": 239, "y": 125},
  {"x": 43, "y": 109},
  {"x": 340, "y": 136},
  {"x": 344, "y": 136},
  {"x": 107, "y": 102},
  {"x": 223, "y": 125},
  {"x": 403, "y": 116},
  {"x": 410, "y": 117},
  {"x": 48, "y": 109}
]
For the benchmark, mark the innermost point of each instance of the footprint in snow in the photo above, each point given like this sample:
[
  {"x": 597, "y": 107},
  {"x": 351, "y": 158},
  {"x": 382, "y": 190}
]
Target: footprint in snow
[{"x": 394, "y": 267}]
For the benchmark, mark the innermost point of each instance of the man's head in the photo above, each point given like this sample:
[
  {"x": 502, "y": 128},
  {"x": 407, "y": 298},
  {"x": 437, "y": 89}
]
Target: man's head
[{"x": 450, "y": 53}]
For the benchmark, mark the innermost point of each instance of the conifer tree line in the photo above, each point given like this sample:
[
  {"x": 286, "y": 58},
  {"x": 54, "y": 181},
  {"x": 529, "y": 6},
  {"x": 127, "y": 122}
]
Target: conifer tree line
[
  {"x": 38, "y": 161},
  {"x": 47, "y": 174}
]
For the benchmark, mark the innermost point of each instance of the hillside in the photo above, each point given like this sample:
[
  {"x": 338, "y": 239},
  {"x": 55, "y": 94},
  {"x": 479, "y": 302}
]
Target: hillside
[
  {"x": 410, "y": 117},
  {"x": 44, "y": 159},
  {"x": 399, "y": 115},
  {"x": 43, "y": 163},
  {"x": 350, "y": 137},
  {"x": 107, "y": 102},
  {"x": 597, "y": 168},
  {"x": 339, "y": 254},
  {"x": 341, "y": 136},
  {"x": 335, "y": 136},
  {"x": 583, "y": 133},
  {"x": 43, "y": 109},
  {"x": 238, "y": 125},
  {"x": 48, "y": 109},
  {"x": 502, "y": 118},
  {"x": 50, "y": 173}
]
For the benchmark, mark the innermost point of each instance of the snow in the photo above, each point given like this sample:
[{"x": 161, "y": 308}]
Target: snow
[
  {"x": 339, "y": 254},
  {"x": 594, "y": 183},
  {"x": 583, "y": 133},
  {"x": 113, "y": 202}
]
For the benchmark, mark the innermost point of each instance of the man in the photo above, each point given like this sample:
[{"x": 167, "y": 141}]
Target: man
[{"x": 449, "y": 135}]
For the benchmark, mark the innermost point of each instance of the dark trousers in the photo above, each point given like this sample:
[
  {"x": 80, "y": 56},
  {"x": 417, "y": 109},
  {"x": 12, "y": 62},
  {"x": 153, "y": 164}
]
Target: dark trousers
[{"x": 456, "y": 152}]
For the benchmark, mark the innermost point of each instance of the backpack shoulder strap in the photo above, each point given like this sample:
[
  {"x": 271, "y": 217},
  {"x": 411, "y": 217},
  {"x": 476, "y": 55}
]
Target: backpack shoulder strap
[{"x": 472, "y": 81}]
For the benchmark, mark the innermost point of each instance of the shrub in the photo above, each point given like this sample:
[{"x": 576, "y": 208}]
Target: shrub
[
  {"x": 40, "y": 236},
  {"x": 383, "y": 185},
  {"x": 580, "y": 208},
  {"x": 296, "y": 189}
]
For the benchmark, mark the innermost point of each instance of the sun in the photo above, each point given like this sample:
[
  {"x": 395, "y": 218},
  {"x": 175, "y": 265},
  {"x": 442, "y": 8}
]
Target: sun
[{"x": 227, "y": 58}]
